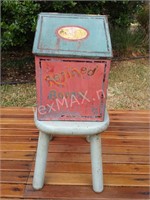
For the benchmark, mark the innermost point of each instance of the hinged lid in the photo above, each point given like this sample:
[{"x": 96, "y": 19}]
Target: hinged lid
[{"x": 72, "y": 35}]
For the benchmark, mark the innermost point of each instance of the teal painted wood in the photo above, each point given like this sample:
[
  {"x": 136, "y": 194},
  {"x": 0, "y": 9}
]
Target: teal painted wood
[{"x": 72, "y": 35}]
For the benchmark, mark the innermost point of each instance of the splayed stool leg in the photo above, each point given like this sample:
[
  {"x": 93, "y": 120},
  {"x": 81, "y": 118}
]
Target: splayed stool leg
[
  {"x": 41, "y": 158},
  {"x": 96, "y": 162}
]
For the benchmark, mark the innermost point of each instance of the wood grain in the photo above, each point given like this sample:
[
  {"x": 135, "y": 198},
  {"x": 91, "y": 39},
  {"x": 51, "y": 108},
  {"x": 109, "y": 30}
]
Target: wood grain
[
  {"x": 12, "y": 190},
  {"x": 108, "y": 168},
  {"x": 86, "y": 179},
  {"x": 85, "y": 193}
]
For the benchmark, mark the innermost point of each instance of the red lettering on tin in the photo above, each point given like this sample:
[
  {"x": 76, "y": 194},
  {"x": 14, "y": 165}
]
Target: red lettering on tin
[{"x": 60, "y": 79}]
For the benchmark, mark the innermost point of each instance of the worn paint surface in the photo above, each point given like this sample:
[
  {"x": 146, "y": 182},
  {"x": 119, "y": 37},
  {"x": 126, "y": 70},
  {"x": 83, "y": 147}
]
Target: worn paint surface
[
  {"x": 75, "y": 35},
  {"x": 71, "y": 89},
  {"x": 72, "y": 56}
]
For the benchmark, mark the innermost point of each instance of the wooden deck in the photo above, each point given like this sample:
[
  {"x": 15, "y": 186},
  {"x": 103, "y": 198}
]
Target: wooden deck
[{"x": 125, "y": 147}]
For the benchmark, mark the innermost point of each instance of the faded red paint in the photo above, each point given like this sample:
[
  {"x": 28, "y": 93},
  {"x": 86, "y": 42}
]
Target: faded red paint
[{"x": 71, "y": 89}]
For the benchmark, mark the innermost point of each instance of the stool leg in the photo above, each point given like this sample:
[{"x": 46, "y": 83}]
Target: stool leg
[
  {"x": 40, "y": 163},
  {"x": 96, "y": 161},
  {"x": 88, "y": 138}
]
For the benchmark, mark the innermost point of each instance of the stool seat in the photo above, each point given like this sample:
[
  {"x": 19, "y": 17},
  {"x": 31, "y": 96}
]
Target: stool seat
[{"x": 72, "y": 127}]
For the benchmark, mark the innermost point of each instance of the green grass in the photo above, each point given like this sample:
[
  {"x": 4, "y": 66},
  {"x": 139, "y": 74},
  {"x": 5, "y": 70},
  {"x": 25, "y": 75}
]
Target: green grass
[
  {"x": 129, "y": 85},
  {"x": 23, "y": 95},
  {"x": 128, "y": 88}
]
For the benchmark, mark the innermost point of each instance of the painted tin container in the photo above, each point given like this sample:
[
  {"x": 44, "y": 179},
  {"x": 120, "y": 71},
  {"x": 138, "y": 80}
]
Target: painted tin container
[{"x": 72, "y": 58}]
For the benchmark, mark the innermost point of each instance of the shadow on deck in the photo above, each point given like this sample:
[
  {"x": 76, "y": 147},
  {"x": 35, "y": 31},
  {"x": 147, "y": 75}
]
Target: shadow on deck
[{"x": 125, "y": 147}]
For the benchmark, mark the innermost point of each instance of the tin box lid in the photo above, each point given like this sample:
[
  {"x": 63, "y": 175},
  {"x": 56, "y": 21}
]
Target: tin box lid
[{"x": 72, "y": 35}]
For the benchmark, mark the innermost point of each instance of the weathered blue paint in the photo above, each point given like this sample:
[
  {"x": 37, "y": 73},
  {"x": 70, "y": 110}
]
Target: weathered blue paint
[{"x": 47, "y": 42}]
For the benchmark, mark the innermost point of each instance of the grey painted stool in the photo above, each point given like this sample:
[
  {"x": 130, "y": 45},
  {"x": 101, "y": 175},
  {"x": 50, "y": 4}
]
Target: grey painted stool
[{"x": 89, "y": 129}]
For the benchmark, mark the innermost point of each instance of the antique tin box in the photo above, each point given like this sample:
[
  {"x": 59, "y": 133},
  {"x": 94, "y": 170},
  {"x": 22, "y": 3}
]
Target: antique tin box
[{"x": 72, "y": 58}]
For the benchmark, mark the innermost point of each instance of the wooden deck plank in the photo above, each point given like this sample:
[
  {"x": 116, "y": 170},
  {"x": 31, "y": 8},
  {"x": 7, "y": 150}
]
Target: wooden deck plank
[
  {"x": 105, "y": 149},
  {"x": 14, "y": 177},
  {"x": 145, "y": 135},
  {"x": 106, "y": 137},
  {"x": 125, "y": 148},
  {"x": 118, "y": 150},
  {"x": 107, "y": 134},
  {"x": 86, "y": 193},
  {"x": 20, "y": 165},
  {"x": 17, "y": 155},
  {"x": 108, "y": 168},
  {"x": 86, "y": 179},
  {"x": 17, "y": 136},
  {"x": 105, "y": 141},
  {"x": 128, "y": 128},
  {"x": 77, "y": 157},
  {"x": 12, "y": 190},
  {"x": 18, "y": 147}
]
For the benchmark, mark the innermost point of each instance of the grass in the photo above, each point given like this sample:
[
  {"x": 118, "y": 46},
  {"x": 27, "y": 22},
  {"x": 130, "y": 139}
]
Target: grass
[
  {"x": 128, "y": 88},
  {"x": 23, "y": 95},
  {"x": 129, "y": 85},
  {"x": 129, "y": 43}
]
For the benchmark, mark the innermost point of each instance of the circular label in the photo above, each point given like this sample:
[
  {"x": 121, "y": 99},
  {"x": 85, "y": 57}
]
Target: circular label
[{"x": 72, "y": 32}]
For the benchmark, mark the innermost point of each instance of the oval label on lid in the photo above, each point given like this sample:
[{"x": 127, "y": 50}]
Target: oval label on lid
[{"x": 72, "y": 32}]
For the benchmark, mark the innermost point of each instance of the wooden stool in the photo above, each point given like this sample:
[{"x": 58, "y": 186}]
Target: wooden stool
[{"x": 89, "y": 129}]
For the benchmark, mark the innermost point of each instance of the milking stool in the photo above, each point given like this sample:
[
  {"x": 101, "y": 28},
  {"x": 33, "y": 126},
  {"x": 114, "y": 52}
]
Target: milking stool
[{"x": 91, "y": 130}]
